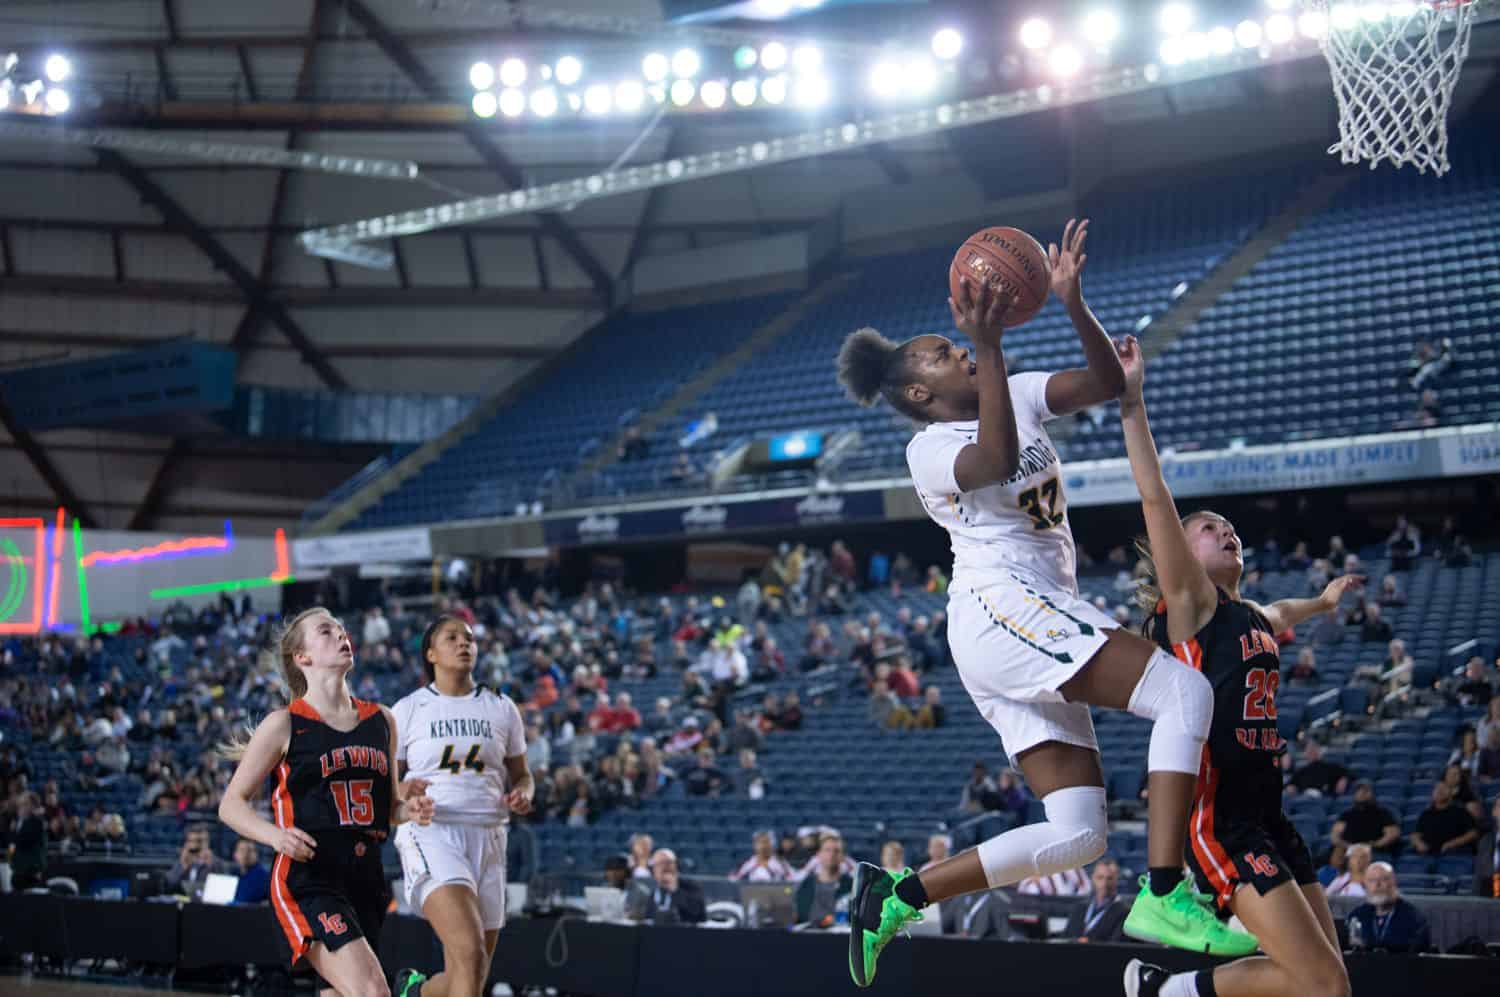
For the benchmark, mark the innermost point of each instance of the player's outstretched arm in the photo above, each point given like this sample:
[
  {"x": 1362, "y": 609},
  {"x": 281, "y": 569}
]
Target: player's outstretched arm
[
  {"x": 1103, "y": 379},
  {"x": 265, "y": 751},
  {"x": 996, "y": 452},
  {"x": 1283, "y": 614},
  {"x": 1189, "y": 594}
]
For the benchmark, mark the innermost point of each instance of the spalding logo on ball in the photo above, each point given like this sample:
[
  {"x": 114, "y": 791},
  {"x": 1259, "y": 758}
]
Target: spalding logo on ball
[{"x": 1010, "y": 261}]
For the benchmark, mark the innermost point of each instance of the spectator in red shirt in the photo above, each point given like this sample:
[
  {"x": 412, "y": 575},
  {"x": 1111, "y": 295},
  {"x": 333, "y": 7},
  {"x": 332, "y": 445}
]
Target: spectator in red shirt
[
  {"x": 614, "y": 719},
  {"x": 627, "y": 717},
  {"x": 841, "y": 562},
  {"x": 902, "y": 680}
]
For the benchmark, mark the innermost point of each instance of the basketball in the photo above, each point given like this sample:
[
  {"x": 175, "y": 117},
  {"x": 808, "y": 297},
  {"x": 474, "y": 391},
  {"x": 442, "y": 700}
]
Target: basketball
[{"x": 1011, "y": 261}]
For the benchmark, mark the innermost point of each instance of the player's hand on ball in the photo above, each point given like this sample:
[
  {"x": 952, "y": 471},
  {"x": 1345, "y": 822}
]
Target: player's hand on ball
[
  {"x": 1334, "y": 591},
  {"x": 1066, "y": 262},
  {"x": 519, "y": 801},
  {"x": 1129, "y": 352},
  {"x": 980, "y": 312},
  {"x": 296, "y": 844}
]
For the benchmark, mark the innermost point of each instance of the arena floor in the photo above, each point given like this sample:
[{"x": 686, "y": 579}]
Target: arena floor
[{"x": 32, "y": 987}]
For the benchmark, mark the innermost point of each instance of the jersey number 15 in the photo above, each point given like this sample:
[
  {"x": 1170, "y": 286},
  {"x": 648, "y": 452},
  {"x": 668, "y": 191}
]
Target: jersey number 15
[{"x": 354, "y": 800}]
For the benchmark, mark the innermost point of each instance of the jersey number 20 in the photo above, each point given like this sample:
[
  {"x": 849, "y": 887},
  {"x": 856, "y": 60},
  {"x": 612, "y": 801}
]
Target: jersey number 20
[
  {"x": 471, "y": 761},
  {"x": 1260, "y": 697},
  {"x": 354, "y": 801},
  {"x": 1031, "y": 501}
]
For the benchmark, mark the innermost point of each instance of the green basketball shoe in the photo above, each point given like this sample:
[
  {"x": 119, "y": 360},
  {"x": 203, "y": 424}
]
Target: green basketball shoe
[
  {"x": 1184, "y": 920},
  {"x": 876, "y": 915}
]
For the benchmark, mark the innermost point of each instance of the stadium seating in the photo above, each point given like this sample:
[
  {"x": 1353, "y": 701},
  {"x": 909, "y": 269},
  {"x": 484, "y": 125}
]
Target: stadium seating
[
  {"x": 632, "y": 363},
  {"x": 840, "y": 770}
]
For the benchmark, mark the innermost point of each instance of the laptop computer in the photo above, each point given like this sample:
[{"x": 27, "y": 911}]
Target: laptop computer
[
  {"x": 768, "y": 905},
  {"x": 219, "y": 888},
  {"x": 604, "y": 903}
]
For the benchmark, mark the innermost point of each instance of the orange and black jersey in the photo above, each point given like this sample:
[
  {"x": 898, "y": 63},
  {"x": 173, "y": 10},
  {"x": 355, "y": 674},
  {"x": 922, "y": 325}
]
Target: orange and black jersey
[
  {"x": 1236, "y": 651},
  {"x": 333, "y": 780}
]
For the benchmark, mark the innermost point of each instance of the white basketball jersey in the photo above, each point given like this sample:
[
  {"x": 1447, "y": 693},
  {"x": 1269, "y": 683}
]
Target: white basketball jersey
[
  {"x": 1020, "y": 524},
  {"x": 459, "y": 745}
]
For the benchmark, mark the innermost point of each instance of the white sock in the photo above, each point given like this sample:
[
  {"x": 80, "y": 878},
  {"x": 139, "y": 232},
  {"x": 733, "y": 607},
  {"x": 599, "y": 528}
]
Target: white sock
[{"x": 1181, "y": 985}]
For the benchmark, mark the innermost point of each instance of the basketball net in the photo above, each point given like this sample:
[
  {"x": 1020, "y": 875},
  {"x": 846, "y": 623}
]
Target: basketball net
[{"x": 1393, "y": 78}]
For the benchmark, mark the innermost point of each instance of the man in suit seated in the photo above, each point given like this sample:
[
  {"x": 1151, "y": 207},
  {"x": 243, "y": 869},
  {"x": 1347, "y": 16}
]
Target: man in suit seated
[
  {"x": 978, "y": 915},
  {"x": 1103, "y": 920},
  {"x": 667, "y": 898}
]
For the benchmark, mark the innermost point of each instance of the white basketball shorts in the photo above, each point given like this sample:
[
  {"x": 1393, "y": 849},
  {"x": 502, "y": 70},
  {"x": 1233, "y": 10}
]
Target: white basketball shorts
[
  {"x": 441, "y": 854},
  {"x": 1015, "y": 644}
]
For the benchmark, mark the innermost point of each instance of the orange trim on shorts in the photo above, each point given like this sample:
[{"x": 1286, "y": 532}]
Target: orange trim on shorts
[
  {"x": 1207, "y": 849},
  {"x": 293, "y": 923}
]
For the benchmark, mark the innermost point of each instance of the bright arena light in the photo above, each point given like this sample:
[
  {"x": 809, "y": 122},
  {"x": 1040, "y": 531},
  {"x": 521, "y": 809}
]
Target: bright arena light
[
  {"x": 947, "y": 43},
  {"x": 885, "y": 79},
  {"x": 1373, "y": 12},
  {"x": 1101, "y": 27},
  {"x": 481, "y": 76},
  {"x": 1248, "y": 34},
  {"x": 745, "y": 57},
  {"x": 629, "y": 96},
  {"x": 1279, "y": 4},
  {"x": 512, "y": 73},
  {"x": 1402, "y": 9},
  {"x": 58, "y": 101},
  {"x": 920, "y": 77},
  {"x": 807, "y": 58},
  {"x": 1174, "y": 18},
  {"x": 544, "y": 102},
  {"x": 1065, "y": 61},
  {"x": 714, "y": 93},
  {"x": 1173, "y": 50},
  {"x": 57, "y": 68},
  {"x": 1343, "y": 16},
  {"x": 655, "y": 67},
  {"x": 1280, "y": 29},
  {"x": 686, "y": 63},
  {"x": 773, "y": 89},
  {"x": 683, "y": 92},
  {"x": 512, "y": 103},
  {"x": 811, "y": 91},
  {"x": 743, "y": 92},
  {"x": 1197, "y": 46},
  {"x": 598, "y": 99},
  {"x": 1221, "y": 41},
  {"x": 1313, "y": 24},
  {"x": 568, "y": 70},
  {"x": 773, "y": 57},
  {"x": 485, "y": 104},
  {"x": 774, "y": 8},
  {"x": 1036, "y": 33}
]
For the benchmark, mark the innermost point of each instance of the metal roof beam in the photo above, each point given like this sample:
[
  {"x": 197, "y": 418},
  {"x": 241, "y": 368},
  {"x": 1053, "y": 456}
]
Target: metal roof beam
[
  {"x": 399, "y": 52},
  {"x": 251, "y": 289}
]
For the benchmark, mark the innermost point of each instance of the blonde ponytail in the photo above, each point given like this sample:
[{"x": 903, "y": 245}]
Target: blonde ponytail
[{"x": 278, "y": 659}]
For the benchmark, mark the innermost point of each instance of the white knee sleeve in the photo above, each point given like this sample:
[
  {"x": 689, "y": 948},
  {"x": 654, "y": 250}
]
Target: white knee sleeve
[
  {"x": 1075, "y": 833},
  {"x": 1180, "y": 702}
]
